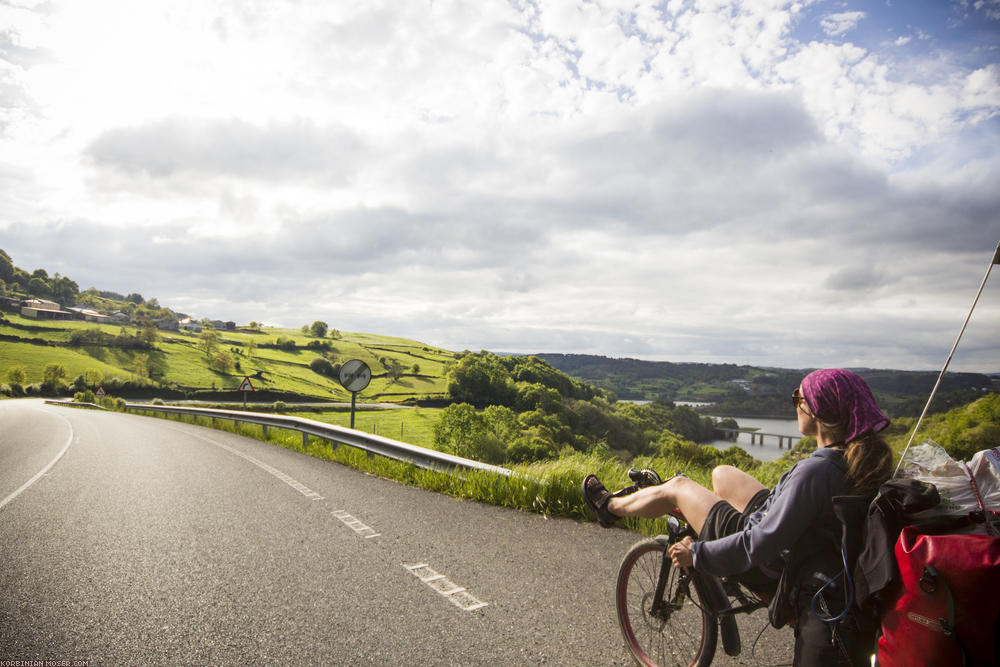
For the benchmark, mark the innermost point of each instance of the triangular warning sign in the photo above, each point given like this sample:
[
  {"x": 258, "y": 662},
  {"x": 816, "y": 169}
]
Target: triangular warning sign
[
  {"x": 100, "y": 393},
  {"x": 245, "y": 385}
]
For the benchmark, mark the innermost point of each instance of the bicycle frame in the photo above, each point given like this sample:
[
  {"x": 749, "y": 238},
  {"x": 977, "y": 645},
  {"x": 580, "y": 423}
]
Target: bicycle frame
[{"x": 719, "y": 605}]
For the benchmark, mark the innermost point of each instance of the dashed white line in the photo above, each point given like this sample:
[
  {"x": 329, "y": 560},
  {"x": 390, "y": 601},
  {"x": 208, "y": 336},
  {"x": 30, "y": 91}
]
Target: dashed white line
[
  {"x": 457, "y": 595},
  {"x": 358, "y": 527}
]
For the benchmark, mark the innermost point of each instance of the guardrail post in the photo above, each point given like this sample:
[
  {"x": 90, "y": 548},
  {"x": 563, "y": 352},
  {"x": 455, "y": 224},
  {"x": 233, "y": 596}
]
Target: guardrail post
[
  {"x": 305, "y": 440},
  {"x": 264, "y": 429}
]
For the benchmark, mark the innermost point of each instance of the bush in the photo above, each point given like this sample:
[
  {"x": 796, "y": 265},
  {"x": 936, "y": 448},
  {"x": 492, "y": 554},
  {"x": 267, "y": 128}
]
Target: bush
[
  {"x": 285, "y": 343},
  {"x": 85, "y": 396},
  {"x": 322, "y": 366}
]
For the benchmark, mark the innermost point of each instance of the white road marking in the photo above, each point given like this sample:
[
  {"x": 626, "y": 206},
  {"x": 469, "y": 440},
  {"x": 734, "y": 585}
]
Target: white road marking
[
  {"x": 43, "y": 470},
  {"x": 358, "y": 527},
  {"x": 457, "y": 595},
  {"x": 298, "y": 486}
]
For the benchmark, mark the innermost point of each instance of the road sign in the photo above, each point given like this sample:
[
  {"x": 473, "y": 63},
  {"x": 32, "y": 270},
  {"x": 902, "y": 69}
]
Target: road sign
[
  {"x": 246, "y": 385},
  {"x": 355, "y": 375},
  {"x": 100, "y": 393}
]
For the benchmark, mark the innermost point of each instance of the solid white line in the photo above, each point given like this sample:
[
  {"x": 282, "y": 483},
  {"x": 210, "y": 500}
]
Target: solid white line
[{"x": 43, "y": 470}]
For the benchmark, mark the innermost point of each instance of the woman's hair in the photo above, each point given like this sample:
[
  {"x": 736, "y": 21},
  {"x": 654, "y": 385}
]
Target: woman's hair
[
  {"x": 868, "y": 458},
  {"x": 869, "y": 463}
]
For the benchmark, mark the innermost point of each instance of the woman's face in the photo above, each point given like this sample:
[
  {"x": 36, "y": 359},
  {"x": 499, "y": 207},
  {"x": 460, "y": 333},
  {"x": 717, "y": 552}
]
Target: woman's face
[{"x": 808, "y": 424}]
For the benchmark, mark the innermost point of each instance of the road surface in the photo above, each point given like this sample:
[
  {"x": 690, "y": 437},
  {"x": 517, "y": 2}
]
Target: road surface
[{"x": 131, "y": 540}]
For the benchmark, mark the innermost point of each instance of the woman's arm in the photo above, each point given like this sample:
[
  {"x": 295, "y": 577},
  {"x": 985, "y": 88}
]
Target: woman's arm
[{"x": 802, "y": 497}]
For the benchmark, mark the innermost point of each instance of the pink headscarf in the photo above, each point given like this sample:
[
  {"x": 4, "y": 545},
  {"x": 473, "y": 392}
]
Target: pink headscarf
[{"x": 842, "y": 397}]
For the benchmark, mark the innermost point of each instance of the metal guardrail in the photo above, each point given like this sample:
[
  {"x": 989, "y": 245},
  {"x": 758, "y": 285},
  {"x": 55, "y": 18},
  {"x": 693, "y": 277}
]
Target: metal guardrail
[{"x": 374, "y": 444}]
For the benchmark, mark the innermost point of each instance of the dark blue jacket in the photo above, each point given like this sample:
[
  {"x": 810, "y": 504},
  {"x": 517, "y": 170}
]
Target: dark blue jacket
[{"x": 797, "y": 517}]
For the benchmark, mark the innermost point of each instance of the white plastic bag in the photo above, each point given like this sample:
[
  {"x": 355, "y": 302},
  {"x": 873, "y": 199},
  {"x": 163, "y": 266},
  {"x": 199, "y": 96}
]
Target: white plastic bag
[{"x": 929, "y": 462}]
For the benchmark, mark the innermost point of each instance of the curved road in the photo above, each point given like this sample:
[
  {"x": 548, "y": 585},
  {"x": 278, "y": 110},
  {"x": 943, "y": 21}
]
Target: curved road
[{"x": 132, "y": 540}]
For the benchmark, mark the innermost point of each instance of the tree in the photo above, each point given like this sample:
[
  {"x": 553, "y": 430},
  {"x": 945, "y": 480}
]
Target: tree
[
  {"x": 53, "y": 374},
  {"x": 208, "y": 341},
  {"x": 481, "y": 379},
  {"x": 93, "y": 377},
  {"x": 64, "y": 290},
  {"x": 39, "y": 287},
  {"x": 222, "y": 361},
  {"x": 149, "y": 335},
  {"x": 6, "y": 266},
  {"x": 393, "y": 368},
  {"x": 250, "y": 349},
  {"x": 319, "y": 329},
  {"x": 141, "y": 363},
  {"x": 17, "y": 375},
  {"x": 483, "y": 436}
]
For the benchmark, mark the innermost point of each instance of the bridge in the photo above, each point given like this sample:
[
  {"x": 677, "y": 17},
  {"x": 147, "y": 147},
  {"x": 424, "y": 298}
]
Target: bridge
[{"x": 755, "y": 435}]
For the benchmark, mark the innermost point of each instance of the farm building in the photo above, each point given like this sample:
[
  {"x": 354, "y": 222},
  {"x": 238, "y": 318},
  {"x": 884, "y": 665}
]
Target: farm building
[{"x": 40, "y": 309}]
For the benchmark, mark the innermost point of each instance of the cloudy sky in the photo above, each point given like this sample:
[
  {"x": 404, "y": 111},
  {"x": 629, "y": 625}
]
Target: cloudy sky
[{"x": 796, "y": 184}]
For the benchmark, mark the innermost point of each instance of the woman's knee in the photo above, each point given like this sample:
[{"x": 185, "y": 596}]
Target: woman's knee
[
  {"x": 735, "y": 486},
  {"x": 723, "y": 477}
]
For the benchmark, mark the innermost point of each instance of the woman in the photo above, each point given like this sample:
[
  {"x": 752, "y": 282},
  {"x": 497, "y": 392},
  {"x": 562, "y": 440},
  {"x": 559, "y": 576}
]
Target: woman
[{"x": 746, "y": 530}]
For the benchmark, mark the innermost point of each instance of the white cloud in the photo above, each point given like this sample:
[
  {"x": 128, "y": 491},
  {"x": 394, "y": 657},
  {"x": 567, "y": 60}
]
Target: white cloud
[
  {"x": 685, "y": 182},
  {"x": 841, "y": 23}
]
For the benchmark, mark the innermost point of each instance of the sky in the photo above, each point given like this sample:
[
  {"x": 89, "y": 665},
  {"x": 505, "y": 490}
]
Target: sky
[{"x": 793, "y": 184}]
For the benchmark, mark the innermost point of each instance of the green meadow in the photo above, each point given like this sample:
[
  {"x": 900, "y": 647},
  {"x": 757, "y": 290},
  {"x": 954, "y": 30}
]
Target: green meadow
[{"x": 402, "y": 370}]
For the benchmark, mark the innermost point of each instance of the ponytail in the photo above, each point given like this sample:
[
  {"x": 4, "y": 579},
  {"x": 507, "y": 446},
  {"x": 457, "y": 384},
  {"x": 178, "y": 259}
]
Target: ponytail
[{"x": 869, "y": 463}]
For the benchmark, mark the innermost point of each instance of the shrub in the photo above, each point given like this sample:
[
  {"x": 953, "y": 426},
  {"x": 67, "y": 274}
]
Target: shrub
[
  {"x": 322, "y": 366},
  {"x": 85, "y": 396}
]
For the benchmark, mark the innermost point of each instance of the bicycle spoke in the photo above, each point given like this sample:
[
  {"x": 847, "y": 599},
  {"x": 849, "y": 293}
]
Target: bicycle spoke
[{"x": 680, "y": 633}]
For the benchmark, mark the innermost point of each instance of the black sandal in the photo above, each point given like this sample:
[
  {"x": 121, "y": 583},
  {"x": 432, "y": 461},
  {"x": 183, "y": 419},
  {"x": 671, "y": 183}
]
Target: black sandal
[{"x": 597, "y": 497}]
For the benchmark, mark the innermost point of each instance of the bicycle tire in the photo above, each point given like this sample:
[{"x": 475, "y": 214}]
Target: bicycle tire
[{"x": 687, "y": 635}]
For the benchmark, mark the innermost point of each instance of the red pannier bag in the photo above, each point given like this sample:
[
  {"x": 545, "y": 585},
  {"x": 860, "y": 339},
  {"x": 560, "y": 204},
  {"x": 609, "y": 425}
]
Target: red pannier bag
[{"x": 948, "y": 609}]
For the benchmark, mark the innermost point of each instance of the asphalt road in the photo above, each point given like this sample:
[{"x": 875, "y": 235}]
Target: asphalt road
[{"x": 132, "y": 540}]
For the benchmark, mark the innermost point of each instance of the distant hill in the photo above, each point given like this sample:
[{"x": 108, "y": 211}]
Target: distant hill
[{"x": 754, "y": 391}]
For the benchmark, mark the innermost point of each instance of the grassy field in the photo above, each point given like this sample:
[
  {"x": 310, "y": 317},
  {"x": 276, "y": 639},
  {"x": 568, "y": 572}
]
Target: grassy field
[
  {"x": 178, "y": 361},
  {"x": 411, "y": 425}
]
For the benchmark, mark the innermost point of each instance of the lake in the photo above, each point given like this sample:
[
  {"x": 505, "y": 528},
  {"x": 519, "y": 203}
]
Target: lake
[{"x": 769, "y": 451}]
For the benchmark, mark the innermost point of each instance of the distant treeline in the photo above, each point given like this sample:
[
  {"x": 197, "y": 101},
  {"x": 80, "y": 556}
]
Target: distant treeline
[{"x": 753, "y": 391}]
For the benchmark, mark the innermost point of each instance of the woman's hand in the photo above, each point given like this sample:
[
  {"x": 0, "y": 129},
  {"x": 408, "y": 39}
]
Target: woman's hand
[{"x": 680, "y": 553}]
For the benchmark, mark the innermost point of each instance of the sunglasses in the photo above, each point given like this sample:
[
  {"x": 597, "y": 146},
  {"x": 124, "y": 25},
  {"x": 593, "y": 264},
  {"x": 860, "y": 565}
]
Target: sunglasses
[{"x": 797, "y": 399}]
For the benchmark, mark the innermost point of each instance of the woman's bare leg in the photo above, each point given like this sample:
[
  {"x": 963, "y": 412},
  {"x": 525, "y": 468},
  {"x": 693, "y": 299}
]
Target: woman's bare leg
[
  {"x": 691, "y": 498},
  {"x": 735, "y": 486}
]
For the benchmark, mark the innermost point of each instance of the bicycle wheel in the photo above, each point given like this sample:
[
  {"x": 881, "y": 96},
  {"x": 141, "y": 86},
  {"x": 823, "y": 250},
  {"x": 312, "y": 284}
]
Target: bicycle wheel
[{"x": 682, "y": 631}]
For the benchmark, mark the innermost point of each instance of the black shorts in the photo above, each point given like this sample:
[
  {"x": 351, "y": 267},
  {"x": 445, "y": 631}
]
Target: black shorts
[{"x": 722, "y": 520}]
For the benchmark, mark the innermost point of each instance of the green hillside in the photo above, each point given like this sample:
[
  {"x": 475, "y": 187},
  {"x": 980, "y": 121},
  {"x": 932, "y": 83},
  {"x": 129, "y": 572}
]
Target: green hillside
[{"x": 280, "y": 362}]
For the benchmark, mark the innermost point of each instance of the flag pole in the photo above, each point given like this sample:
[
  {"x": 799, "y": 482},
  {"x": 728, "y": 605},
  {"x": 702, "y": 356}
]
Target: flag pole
[{"x": 993, "y": 261}]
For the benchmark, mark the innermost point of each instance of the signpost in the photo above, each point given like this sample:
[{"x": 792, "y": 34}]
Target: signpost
[
  {"x": 355, "y": 376},
  {"x": 246, "y": 387}
]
